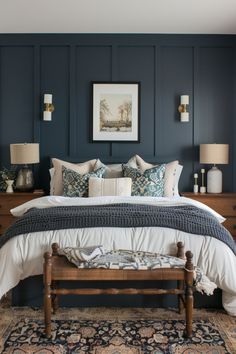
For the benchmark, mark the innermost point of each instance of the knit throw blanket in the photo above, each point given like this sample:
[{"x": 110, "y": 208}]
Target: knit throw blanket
[{"x": 184, "y": 218}]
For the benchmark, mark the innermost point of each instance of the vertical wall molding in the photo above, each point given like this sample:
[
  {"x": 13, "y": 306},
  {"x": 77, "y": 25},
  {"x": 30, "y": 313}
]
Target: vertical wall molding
[
  {"x": 195, "y": 103},
  {"x": 157, "y": 96},
  {"x": 234, "y": 123},
  {"x": 37, "y": 96},
  {"x": 72, "y": 103}
]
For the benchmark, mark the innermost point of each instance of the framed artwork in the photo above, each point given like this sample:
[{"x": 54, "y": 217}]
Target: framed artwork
[{"x": 116, "y": 116}]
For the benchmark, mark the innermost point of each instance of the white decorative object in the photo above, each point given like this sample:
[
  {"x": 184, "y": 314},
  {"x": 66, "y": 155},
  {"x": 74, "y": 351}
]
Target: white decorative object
[
  {"x": 47, "y": 98},
  {"x": 214, "y": 180},
  {"x": 184, "y": 99},
  {"x": 9, "y": 183},
  {"x": 214, "y": 154},
  {"x": 48, "y": 107},
  {"x": 203, "y": 188},
  {"x": 47, "y": 115},
  {"x": 195, "y": 187},
  {"x": 184, "y": 115}
]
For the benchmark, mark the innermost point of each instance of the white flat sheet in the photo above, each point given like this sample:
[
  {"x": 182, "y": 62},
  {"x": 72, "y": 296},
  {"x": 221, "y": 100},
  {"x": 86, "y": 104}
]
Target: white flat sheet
[{"x": 22, "y": 256}]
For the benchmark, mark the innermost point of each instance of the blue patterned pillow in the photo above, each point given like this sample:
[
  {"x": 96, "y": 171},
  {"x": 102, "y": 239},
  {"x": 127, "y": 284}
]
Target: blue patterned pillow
[
  {"x": 75, "y": 184},
  {"x": 148, "y": 183}
]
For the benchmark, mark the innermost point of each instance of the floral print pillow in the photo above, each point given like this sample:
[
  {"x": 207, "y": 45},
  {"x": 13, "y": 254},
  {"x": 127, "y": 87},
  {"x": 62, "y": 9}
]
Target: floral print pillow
[
  {"x": 75, "y": 184},
  {"x": 148, "y": 183}
]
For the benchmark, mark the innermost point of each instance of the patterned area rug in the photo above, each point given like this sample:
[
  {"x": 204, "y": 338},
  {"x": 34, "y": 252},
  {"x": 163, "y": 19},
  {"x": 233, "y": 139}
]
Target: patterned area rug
[{"x": 116, "y": 331}]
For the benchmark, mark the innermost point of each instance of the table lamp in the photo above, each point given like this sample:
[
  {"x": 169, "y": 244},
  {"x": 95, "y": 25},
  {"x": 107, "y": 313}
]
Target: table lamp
[
  {"x": 214, "y": 154},
  {"x": 24, "y": 154}
]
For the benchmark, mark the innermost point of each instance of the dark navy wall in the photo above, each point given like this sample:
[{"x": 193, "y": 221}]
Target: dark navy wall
[{"x": 202, "y": 66}]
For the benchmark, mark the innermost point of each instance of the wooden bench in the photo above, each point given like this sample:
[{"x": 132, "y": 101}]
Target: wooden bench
[{"x": 58, "y": 268}]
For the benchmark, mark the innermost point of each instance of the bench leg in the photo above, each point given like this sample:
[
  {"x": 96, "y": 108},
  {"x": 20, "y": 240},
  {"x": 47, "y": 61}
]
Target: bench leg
[
  {"x": 189, "y": 293},
  {"x": 47, "y": 313},
  {"x": 55, "y": 300},
  {"x": 189, "y": 311},
  {"x": 180, "y": 297},
  {"x": 47, "y": 293}
]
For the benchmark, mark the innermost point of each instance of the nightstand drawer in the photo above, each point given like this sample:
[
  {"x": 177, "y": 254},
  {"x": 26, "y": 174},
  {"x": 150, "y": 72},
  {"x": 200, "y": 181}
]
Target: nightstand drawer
[
  {"x": 230, "y": 225},
  {"x": 9, "y": 201},
  {"x": 223, "y": 205},
  {"x": 5, "y": 222}
]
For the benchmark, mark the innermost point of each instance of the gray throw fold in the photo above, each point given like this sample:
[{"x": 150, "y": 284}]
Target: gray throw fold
[{"x": 189, "y": 219}]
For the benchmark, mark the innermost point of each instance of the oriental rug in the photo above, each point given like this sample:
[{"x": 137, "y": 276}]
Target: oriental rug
[{"x": 116, "y": 331}]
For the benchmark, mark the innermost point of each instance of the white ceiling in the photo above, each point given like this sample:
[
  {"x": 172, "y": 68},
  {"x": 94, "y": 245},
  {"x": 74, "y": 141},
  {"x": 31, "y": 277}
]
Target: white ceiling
[{"x": 118, "y": 16}]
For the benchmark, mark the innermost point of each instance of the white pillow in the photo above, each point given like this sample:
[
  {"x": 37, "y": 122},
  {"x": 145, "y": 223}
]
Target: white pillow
[
  {"x": 51, "y": 172},
  {"x": 99, "y": 187},
  {"x": 112, "y": 170},
  {"x": 81, "y": 168},
  {"x": 171, "y": 176},
  {"x": 179, "y": 169}
]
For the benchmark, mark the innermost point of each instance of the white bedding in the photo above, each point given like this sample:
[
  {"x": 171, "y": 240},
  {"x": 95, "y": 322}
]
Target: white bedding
[{"x": 22, "y": 256}]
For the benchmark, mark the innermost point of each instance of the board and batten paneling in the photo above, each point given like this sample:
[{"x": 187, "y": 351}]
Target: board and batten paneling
[
  {"x": 214, "y": 118},
  {"x": 174, "y": 140},
  {"x": 93, "y": 63},
  {"x": 54, "y": 78},
  {"x": 165, "y": 65},
  {"x": 16, "y": 97}
]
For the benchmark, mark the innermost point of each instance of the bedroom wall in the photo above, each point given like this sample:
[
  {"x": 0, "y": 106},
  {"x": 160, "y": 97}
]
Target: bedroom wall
[{"x": 202, "y": 66}]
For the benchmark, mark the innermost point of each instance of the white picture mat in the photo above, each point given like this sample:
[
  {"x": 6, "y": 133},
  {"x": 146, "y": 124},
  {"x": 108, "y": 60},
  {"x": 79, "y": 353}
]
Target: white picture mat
[{"x": 118, "y": 89}]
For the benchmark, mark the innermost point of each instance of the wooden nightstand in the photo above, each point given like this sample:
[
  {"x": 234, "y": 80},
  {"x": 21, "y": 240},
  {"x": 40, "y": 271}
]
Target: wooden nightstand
[
  {"x": 12, "y": 200},
  {"x": 223, "y": 203}
]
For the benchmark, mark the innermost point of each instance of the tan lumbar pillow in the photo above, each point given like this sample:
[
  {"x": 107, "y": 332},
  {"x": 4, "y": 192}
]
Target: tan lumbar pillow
[{"x": 99, "y": 187}]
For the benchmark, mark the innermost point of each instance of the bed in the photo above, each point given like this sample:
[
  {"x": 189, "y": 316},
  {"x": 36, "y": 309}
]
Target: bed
[{"x": 21, "y": 256}]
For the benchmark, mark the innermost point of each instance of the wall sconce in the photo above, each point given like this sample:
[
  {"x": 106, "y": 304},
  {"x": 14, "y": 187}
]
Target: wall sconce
[
  {"x": 48, "y": 107},
  {"x": 184, "y": 115}
]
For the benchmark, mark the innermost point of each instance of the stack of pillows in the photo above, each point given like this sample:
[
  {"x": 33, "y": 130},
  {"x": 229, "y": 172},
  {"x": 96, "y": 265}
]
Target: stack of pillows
[{"x": 94, "y": 179}]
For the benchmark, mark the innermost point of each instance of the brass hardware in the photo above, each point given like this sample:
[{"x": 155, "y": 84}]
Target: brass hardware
[
  {"x": 48, "y": 107},
  {"x": 182, "y": 108}
]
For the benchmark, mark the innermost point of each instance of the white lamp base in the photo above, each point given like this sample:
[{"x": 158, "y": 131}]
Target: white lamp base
[{"x": 214, "y": 180}]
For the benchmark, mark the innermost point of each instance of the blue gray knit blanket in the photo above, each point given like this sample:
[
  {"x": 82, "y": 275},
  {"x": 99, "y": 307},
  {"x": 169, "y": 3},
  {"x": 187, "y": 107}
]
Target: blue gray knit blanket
[{"x": 184, "y": 218}]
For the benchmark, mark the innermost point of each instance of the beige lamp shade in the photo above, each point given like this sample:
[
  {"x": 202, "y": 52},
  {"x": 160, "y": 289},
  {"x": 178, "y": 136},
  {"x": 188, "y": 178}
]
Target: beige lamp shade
[
  {"x": 22, "y": 154},
  {"x": 214, "y": 153}
]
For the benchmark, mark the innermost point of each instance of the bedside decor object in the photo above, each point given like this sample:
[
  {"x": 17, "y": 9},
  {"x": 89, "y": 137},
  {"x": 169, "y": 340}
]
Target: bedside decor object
[
  {"x": 7, "y": 175},
  {"x": 115, "y": 111},
  {"x": 202, "y": 188},
  {"x": 195, "y": 186},
  {"x": 24, "y": 154},
  {"x": 214, "y": 154},
  {"x": 184, "y": 115},
  {"x": 48, "y": 107},
  {"x": 9, "y": 183}
]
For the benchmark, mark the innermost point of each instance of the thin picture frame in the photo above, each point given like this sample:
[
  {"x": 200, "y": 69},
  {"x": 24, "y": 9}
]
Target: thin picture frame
[{"x": 116, "y": 112}]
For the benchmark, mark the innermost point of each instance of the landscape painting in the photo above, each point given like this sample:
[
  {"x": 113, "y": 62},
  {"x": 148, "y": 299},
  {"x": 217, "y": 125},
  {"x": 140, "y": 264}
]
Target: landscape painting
[{"x": 115, "y": 111}]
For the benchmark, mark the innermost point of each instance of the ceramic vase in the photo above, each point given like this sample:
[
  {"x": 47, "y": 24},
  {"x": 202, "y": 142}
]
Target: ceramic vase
[{"x": 9, "y": 183}]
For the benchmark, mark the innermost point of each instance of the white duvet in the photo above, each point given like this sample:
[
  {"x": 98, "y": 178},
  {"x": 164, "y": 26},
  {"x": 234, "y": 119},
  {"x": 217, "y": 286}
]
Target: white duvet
[{"x": 22, "y": 256}]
